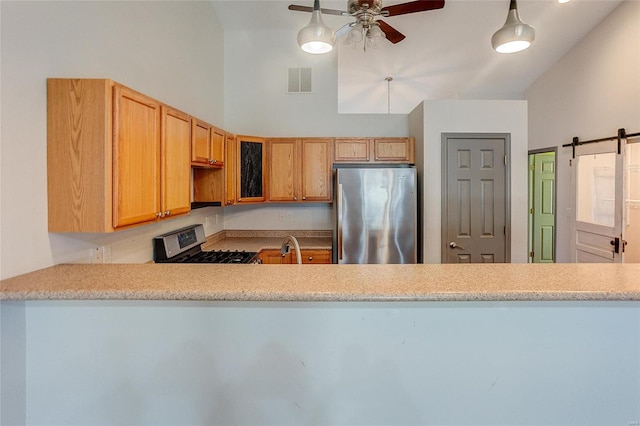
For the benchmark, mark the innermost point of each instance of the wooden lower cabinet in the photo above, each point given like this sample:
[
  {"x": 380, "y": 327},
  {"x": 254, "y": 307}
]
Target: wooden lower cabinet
[
  {"x": 273, "y": 257},
  {"x": 316, "y": 256}
]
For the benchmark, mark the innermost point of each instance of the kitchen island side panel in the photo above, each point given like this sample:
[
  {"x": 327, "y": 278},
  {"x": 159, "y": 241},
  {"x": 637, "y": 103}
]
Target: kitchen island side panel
[{"x": 474, "y": 363}]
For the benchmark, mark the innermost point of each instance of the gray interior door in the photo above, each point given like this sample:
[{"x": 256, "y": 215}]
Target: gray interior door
[{"x": 475, "y": 199}]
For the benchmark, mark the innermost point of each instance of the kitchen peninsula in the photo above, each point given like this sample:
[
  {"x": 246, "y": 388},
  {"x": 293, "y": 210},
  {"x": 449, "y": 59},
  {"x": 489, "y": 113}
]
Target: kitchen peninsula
[{"x": 322, "y": 344}]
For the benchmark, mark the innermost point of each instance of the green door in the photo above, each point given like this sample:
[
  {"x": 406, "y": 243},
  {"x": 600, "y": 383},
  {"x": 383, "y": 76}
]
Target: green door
[{"x": 543, "y": 208}]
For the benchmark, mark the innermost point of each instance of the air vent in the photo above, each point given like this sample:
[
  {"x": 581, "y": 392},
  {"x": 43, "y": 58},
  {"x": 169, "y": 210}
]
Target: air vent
[{"x": 299, "y": 80}]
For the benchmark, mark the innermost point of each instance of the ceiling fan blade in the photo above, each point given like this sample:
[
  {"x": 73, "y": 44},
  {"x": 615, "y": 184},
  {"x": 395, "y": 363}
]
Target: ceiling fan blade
[
  {"x": 413, "y": 6},
  {"x": 393, "y": 35},
  {"x": 344, "y": 29},
  {"x": 310, "y": 9}
]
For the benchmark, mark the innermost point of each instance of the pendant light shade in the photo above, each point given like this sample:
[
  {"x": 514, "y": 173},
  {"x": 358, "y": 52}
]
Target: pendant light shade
[
  {"x": 514, "y": 35},
  {"x": 316, "y": 37}
]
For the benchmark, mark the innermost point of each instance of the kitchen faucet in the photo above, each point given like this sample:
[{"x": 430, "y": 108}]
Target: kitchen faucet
[{"x": 286, "y": 248}]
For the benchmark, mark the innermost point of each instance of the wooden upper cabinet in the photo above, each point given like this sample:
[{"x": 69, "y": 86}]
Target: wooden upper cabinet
[
  {"x": 176, "y": 176},
  {"x": 207, "y": 144},
  {"x": 200, "y": 142},
  {"x": 250, "y": 170},
  {"x": 394, "y": 150},
  {"x": 283, "y": 165},
  {"x": 230, "y": 169},
  {"x": 352, "y": 150},
  {"x": 115, "y": 159},
  {"x": 375, "y": 150},
  {"x": 218, "y": 137},
  {"x": 136, "y": 158},
  {"x": 214, "y": 181},
  {"x": 79, "y": 132},
  {"x": 316, "y": 170},
  {"x": 299, "y": 170}
]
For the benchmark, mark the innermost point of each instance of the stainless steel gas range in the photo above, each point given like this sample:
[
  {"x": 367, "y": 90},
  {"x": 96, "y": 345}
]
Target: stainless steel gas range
[{"x": 184, "y": 245}]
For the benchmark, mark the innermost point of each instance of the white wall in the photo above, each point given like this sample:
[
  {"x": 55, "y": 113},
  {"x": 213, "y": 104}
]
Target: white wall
[
  {"x": 474, "y": 117},
  {"x": 256, "y": 99},
  {"x": 313, "y": 216},
  {"x": 171, "y": 51},
  {"x": 590, "y": 93},
  {"x": 257, "y": 103},
  {"x": 145, "y": 362}
]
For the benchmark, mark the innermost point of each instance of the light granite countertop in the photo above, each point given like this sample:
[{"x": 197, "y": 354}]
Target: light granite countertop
[{"x": 473, "y": 282}]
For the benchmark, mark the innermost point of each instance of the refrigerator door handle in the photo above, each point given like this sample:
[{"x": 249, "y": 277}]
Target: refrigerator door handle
[{"x": 339, "y": 222}]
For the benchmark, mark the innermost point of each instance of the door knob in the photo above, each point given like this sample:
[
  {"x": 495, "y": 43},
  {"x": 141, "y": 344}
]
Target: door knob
[
  {"x": 453, "y": 245},
  {"x": 616, "y": 245}
]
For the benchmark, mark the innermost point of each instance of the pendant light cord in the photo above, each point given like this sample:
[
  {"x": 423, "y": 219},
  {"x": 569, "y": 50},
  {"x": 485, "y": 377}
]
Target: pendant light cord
[{"x": 389, "y": 80}]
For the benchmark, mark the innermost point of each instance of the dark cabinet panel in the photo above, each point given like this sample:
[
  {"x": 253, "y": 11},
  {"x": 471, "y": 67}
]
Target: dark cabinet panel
[{"x": 251, "y": 165}]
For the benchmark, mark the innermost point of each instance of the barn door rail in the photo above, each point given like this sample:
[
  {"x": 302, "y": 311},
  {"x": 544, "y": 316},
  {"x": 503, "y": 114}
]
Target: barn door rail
[{"x": 622, "y": 134}]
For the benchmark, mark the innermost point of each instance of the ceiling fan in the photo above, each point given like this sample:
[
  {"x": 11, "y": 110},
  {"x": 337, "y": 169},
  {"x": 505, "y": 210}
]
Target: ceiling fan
[{"x": 366, "y": 25}]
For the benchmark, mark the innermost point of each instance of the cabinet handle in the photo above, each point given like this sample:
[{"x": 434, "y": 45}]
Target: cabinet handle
[
  {"x": 304, "y": 198},
  {"x": 210, "y": 161},
  {"x": 159, "y": 214},
  {"x": 295, "y": 198},
  {"x": 310, "y": 258},
  {"x": 167, "y": 213}
]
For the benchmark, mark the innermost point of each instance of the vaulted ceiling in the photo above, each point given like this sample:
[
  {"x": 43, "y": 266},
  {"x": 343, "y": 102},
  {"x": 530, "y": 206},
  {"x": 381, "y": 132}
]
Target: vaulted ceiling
[{"x": 447, "y": 53}]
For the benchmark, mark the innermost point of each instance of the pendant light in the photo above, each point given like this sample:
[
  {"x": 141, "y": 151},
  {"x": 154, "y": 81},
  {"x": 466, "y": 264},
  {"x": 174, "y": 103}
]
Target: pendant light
[
  {"x": 316, "y": 37},
  {"x": 514, "y": 35}
]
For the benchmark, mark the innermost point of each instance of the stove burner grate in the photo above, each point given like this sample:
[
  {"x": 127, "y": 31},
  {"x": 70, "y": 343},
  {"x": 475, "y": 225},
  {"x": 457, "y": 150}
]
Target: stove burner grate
[{"x": 218, "y": 256}]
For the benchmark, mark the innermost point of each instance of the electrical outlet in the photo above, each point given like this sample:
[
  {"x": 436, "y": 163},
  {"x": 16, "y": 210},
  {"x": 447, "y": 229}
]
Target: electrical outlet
[
  {"x": 289, "y": 216},
  {"x": 100, "y": 254},
  {"x": 281, "y": 217},
  {"x": 97, "y": 255}
]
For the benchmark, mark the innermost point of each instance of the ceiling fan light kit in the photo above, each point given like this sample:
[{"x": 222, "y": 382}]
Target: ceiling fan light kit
[
  {"x": 514, "y": 35},
  {"x": 370, "y": 34},
  {"x": 366, "y": 27}
]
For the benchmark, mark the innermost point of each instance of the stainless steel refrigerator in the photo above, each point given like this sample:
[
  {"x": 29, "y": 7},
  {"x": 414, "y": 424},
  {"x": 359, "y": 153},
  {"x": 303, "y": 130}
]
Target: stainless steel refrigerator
[{"x": 376, "y": 215}]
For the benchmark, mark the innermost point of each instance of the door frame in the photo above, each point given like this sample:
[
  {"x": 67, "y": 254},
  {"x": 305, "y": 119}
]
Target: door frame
[
  {"x": 555, "y": 202},
  {"x": 444, "y": 221}
]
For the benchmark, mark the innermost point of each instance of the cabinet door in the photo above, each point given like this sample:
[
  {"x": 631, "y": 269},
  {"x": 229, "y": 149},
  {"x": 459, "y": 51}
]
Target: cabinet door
[
  {"x": 200, "y": 142},
  {"x": 218, "y": 137},
  {"x": 316, "y": 256},
  {"x": 283, "y": 167},
  {"x": 352, "y": 150},
  {"x": 136, "y": 158},
  {"x": 274, "y": 257},
  {"x": 316, "y": 169},
  {"x": 230, "y": 169},
  {"x": 250, "y": 166},
  {"x": 394, "y": 150},
  {"x": 176, "y": 170}
]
